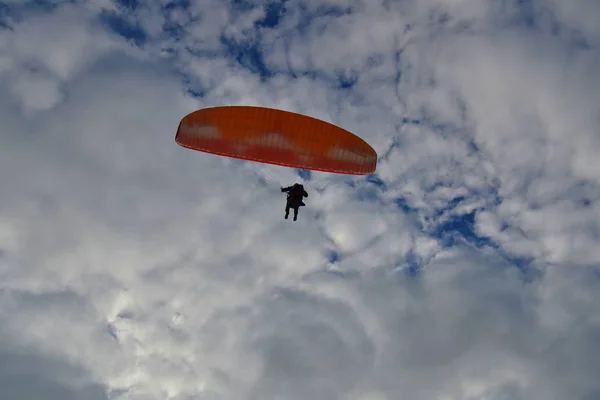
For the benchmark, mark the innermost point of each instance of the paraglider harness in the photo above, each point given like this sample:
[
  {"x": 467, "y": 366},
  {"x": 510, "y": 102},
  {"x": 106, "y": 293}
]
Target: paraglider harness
[{"x": 295, "y": 194}]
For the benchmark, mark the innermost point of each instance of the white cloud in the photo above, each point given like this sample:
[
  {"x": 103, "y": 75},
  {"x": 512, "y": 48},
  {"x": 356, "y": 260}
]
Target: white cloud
[{"x": 163, "y": 273}]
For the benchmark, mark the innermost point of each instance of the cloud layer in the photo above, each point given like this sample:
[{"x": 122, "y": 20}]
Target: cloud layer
[{"x": 466, "y": 268}]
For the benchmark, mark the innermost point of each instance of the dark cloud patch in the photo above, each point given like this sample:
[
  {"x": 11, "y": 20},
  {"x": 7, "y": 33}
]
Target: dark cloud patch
[
  {"x": 318, "y": 350},
  {"x": 27, "y": 376}
]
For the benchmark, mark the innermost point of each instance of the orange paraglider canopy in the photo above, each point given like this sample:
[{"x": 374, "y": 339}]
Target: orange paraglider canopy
[{"x": 276, "y": 137}]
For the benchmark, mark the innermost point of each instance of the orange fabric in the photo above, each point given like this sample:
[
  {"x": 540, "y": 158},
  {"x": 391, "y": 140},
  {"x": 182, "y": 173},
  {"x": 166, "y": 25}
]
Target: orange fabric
[{"x": 276, "y": 137}]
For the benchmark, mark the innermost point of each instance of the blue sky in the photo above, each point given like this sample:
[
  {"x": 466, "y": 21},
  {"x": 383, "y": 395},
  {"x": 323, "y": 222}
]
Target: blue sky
[{"x": 465, "y": 268}]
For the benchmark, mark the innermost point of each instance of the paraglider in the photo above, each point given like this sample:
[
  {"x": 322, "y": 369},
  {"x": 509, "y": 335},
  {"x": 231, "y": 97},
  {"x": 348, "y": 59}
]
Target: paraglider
[{"x": 277, "y": 137}]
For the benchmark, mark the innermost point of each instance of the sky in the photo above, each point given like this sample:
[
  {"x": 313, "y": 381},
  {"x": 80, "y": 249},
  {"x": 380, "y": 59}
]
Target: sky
[{"x": 466, "y": 268}]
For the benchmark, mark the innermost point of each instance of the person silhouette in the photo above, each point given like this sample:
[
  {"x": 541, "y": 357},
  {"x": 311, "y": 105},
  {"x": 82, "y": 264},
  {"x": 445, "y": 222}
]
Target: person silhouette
[{"x": 295, "y": 193}]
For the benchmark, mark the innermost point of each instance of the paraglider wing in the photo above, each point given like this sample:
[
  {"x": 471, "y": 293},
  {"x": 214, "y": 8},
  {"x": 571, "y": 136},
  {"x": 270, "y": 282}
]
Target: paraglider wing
[{"x": 276, "y": 137}]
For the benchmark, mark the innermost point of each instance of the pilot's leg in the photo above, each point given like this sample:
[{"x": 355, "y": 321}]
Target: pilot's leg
[
  {"x": 295, "y": 213},
  {"x": 287, "y": 210}
]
